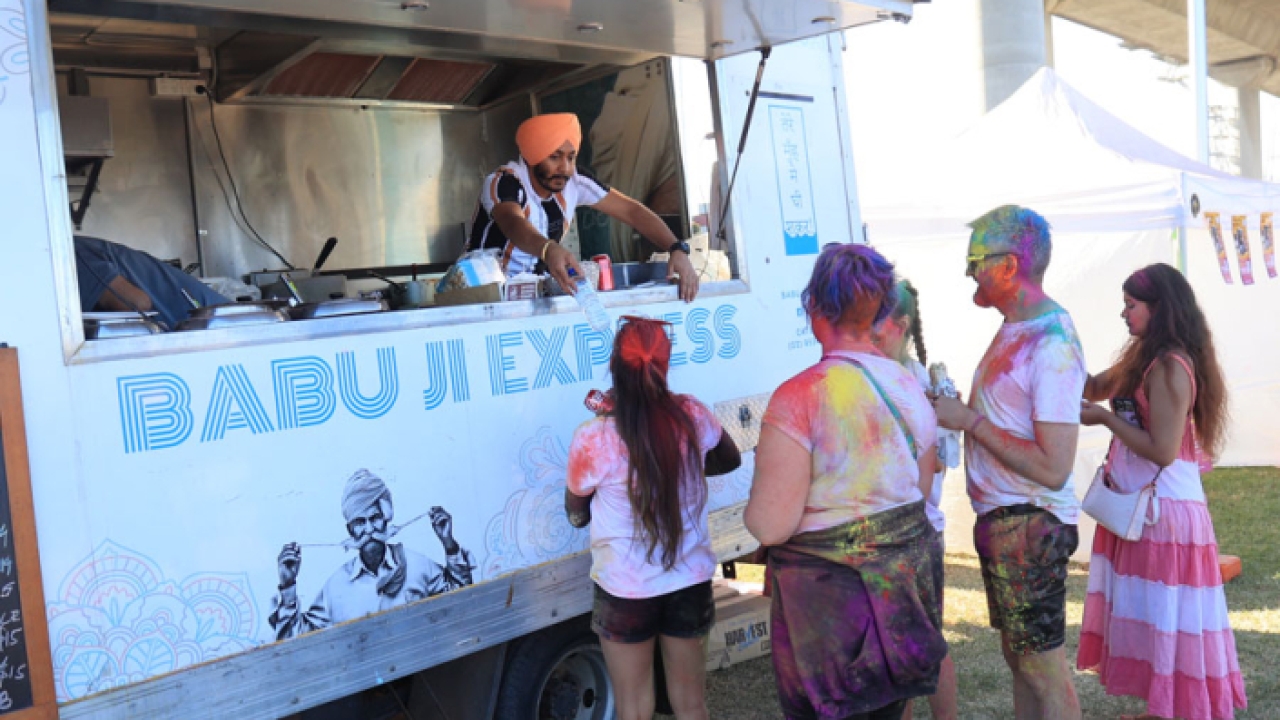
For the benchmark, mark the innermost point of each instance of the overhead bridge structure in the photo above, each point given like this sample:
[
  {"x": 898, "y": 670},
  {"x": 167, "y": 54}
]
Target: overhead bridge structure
[{"x": 1243, "y": 47}]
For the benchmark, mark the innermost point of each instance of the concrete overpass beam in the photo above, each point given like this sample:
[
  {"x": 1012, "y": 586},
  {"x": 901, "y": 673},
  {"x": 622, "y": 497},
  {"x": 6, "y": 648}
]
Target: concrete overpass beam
[{"x": 1013, "y": 45}]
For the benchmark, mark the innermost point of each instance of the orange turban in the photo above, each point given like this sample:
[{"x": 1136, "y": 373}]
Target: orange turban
[{"x": 541, "y": 135}]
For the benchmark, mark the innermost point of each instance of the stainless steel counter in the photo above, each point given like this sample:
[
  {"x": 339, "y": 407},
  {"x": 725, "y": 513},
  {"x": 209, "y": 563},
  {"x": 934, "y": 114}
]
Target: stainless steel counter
[{"x": 207, "y": 340}]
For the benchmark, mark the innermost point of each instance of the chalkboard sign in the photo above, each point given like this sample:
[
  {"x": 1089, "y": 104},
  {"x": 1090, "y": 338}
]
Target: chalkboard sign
[
  {"x": 26, "y": 672},
  {"x": 15, "y": 673}
]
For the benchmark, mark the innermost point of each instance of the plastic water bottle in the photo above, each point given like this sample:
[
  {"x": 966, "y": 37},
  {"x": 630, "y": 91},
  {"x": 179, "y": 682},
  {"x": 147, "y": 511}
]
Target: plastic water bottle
[{"x": 586, "y": 296}]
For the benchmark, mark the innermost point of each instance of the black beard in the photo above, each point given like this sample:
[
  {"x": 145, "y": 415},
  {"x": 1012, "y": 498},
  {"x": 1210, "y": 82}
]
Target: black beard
[
  {"x": 545, "y": 179},
  {"x": 372, "y": 553}
]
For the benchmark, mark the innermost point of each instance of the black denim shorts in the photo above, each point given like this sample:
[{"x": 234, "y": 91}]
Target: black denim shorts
[
  {"x": 686, "y": 613},
  {"x": 1024, "y": 551}
]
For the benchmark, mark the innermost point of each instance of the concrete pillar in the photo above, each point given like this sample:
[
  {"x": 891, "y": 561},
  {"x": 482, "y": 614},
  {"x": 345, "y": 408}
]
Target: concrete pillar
[
  {"x": 1246, "y": 75},
  {"x": 1013, "y": 45},
  {"x": 1049, "y": 6},
  {"x": 1250, "y": 127}
]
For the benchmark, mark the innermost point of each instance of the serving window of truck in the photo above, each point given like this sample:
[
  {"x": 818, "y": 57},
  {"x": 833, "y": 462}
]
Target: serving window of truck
[
  {"x": 335, "y": 171},
  {"x": 313, "y": 362}
]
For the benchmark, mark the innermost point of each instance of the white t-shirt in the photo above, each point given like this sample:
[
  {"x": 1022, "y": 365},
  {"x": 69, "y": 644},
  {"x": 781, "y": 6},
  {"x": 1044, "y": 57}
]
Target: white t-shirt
[
  {"x": 550, "y": 216},
  {"x": 1034, "y": 371},
  {"x": 948, "y": 456},
  {"x": 598, "y": 462},
  {"x": 861, "y": 463}
]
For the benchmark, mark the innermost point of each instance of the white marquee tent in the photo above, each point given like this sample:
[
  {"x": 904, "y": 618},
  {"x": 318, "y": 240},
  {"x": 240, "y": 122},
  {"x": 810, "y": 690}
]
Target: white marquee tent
[{"x": 1116, "y": 200}]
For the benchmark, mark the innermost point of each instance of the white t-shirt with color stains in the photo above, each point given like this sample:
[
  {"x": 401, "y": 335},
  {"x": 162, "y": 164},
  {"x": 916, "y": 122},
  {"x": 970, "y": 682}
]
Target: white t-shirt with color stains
[
  {"x": 860, "y": 461},
  {"x": 1034, "y": 371},
  {"x": 598, "y": 463}
]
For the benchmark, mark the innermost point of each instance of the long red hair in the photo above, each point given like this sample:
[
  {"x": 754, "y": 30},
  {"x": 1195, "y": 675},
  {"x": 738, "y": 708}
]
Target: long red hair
[{"x": 665, "y": 473}]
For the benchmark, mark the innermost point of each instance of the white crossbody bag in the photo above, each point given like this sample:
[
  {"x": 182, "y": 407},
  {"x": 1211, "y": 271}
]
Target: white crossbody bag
[{"x": 1124, "y": 514}]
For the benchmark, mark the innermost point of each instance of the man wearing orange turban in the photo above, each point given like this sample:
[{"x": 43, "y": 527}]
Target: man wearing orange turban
[{"x": 526, "y": 207}]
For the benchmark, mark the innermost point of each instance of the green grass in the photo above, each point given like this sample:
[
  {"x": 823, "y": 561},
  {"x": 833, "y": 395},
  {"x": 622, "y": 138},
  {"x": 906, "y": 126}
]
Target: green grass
[{"x": 1245, "y": 503}]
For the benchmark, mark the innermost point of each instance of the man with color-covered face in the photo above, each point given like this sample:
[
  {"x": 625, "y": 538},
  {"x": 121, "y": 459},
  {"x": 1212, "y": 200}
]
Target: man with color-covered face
[
  {"x": 382, "y": 575},
  {"x": 526, "y": 207},
  {"x": 1021, "y": 427}
]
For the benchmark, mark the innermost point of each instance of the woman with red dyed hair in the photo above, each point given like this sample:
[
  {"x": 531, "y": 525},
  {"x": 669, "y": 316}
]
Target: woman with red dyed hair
[
  {"x": 1155, "y": 617},
  {"x": 637, "y": 475}
]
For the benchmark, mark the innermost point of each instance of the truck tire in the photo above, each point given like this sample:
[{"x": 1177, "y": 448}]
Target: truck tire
[{"x": 556, "y": 674}]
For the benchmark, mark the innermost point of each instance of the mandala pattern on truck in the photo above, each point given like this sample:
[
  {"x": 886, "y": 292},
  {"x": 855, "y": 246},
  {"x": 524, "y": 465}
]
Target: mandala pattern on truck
[
  {"x": 532, "y": 528},
  {"x": 117, "y": 620},
  {"x": 15, "y": 59}
]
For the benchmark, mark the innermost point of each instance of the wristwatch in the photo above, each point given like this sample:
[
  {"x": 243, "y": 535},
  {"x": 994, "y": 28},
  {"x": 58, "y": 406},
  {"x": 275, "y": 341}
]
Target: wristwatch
[{"x": 680, "y": 245}]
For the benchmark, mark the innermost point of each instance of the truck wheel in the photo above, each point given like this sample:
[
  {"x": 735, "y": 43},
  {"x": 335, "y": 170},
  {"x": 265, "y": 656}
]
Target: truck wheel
[{"x": 557, "y": 676}]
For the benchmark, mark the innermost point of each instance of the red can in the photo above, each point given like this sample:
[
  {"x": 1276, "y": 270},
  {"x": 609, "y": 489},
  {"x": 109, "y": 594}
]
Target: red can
[
  {"x": 599, "y": 402},
  {"x": 606, "y": 271}
]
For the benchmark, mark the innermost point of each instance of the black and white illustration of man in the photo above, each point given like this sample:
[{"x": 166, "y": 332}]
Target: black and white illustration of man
[{"x": 381, "y": 576}]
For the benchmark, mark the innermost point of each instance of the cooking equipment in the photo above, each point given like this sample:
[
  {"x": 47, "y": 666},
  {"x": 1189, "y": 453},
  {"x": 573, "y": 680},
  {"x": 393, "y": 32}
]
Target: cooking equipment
[
  {"x": 259, "y": 312},
  {"x": 310, "y": 286},
  {"x": 334, "y": 308},
  {"x": 396, "y": 293},
  {"x": 325, "y": 252},
  {"x": 106, "y": 325},
  {"x": 632, "y": 274},
  {"x": 239, "y": 308}
]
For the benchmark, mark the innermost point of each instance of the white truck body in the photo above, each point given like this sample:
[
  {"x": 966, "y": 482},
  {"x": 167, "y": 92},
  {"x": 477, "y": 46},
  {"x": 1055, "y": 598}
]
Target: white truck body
[{"x": 169, "y": 470}]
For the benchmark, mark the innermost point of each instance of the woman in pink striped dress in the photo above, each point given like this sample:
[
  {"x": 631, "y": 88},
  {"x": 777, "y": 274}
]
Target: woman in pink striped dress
[{"x": 1155, "y": 618}]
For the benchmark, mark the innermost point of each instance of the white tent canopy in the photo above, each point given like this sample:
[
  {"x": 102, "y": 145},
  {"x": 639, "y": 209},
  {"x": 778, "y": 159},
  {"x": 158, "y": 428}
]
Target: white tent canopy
[{"x": 1116, "y": 200}]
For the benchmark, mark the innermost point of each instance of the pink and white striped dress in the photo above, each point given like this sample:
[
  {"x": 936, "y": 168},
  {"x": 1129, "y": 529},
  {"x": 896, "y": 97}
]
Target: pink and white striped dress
[{"x": 1155, "y": 617}]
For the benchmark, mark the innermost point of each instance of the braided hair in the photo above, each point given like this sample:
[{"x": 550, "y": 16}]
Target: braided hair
[{"x": 909, "y": 306}]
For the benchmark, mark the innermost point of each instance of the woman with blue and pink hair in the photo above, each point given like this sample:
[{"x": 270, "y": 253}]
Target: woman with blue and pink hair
[{"x": 845, "y": 457}]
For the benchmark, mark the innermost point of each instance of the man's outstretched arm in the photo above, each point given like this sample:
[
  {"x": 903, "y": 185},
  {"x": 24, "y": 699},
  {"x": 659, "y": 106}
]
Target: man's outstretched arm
[{"x": 652, "y": 228}]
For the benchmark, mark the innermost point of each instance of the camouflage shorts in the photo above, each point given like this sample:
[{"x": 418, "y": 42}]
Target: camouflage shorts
[{"x": 1024, "y": 552}]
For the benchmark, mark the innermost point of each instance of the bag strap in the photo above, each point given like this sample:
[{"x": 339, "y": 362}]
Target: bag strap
[{"x": 902, "y": 423}]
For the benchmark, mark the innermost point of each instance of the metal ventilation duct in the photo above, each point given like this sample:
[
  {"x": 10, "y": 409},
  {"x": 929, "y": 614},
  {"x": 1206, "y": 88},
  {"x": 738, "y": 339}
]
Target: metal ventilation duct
[
  {"x": 439, "y": 81},
  {"x": 261, "y": 66},
  {"x": 323, "y": 74}
]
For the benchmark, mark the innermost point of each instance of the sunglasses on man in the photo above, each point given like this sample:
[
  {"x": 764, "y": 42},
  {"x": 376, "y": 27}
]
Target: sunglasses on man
[{"x": 975, "y": 260}]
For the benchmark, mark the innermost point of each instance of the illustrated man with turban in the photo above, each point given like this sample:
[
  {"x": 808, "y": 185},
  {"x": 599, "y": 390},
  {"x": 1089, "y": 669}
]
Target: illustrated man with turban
[
  {"x": 526, "y": 207},
  {"x": 381, "y": 576}
]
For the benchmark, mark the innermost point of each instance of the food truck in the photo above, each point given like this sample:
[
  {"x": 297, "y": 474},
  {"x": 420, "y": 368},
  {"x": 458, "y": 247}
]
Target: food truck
[{"x": 194, "y": 488}]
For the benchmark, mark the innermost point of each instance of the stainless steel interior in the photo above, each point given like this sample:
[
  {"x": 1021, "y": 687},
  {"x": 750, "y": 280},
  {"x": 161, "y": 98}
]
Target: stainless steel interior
[{"x": 373, "y": 121}]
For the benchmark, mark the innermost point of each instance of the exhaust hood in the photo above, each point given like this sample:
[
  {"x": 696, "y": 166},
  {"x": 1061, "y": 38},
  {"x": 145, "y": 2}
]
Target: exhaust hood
[{"x": 259, "y": 66}]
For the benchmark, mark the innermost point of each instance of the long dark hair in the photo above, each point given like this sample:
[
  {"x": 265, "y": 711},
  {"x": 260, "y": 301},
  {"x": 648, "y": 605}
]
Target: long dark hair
[
  {"x": 664, "y": 461},
  {"x": 1177, "y": 325},
  {"x": 909, "y": 307}
]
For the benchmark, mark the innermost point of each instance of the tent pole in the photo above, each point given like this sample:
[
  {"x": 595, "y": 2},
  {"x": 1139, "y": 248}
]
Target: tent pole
[
  {"x": 1180, "y": 232},
  {"x": 1180, "y": 248}
]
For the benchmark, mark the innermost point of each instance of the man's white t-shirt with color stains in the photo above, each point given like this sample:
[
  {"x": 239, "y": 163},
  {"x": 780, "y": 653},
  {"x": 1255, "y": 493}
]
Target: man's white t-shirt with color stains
[
  {"x": 598, "y": 463},
  {"x": 1033, "y": 372}
]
